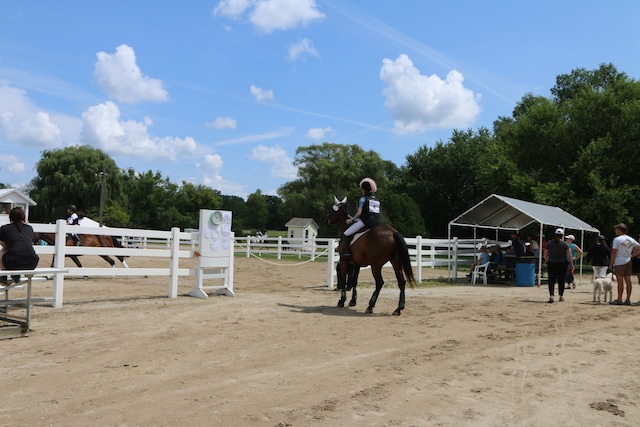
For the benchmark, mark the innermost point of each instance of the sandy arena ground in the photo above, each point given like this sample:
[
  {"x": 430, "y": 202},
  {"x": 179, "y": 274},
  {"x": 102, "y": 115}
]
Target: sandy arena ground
[{"x": 119, "y": 353}]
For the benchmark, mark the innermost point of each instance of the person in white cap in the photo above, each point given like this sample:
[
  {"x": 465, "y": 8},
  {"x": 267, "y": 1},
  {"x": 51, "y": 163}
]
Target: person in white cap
[
  {"x": 576, "y": 251},
  {"x": 557, "y": 255}
]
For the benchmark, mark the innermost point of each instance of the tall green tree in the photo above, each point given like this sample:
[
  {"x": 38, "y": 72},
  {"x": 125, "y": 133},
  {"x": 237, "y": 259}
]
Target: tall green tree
[
  {"x": 257, "y": 211},
  {"x": 327, "y": 170},
  {"x": 71, "y": 176},
  {"x": 574, "y": 149},
  {"x": 442, "y": 179}
]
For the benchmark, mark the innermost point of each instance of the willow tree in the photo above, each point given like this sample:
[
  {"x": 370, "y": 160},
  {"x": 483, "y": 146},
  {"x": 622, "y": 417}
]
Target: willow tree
[{"x": 72, "y": 175}]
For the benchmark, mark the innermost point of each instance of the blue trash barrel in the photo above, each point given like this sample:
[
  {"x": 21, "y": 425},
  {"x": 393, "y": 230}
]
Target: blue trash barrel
[{"x": 525, "y": 274}]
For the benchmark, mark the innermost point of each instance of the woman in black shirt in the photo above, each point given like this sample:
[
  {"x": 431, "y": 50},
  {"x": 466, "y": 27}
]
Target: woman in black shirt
[{"x": 16, "y": 239}]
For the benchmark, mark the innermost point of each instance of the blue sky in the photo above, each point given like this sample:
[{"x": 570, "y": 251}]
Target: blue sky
[{"x": 221, "y": 93}]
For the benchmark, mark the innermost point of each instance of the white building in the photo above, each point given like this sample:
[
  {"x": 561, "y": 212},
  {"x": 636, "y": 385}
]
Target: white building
[
  {"x": 10, "y": 198},
  {"x": 303, "y": 228}
]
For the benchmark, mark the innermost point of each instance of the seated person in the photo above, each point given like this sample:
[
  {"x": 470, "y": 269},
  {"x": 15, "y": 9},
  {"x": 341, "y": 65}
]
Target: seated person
[
  {"x": 534, "y": 247},
  {"x": 483, "y": 258},
  {"x": 516, "y": 249},
  {"x": 16, "y": 239},
  {"x": 496, "y": 258}
]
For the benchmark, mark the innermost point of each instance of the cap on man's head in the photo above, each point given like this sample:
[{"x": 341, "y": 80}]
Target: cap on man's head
[
  {"x": 600, "y": 237},
  {"x": 559, "y": 231},
  {"x": 571, "y": 237}
]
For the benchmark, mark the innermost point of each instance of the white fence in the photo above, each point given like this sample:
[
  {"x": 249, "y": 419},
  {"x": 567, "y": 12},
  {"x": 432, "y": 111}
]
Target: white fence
[
  {"x": 172, "y": 245},
  {"x": 424, "y": 253},
  {"x": 175, "y": 245}
]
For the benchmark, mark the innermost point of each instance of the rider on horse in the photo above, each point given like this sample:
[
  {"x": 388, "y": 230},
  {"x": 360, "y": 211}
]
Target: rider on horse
[
  {"x": 365, "y": 217},
  {"x": 73, "y": 219}
]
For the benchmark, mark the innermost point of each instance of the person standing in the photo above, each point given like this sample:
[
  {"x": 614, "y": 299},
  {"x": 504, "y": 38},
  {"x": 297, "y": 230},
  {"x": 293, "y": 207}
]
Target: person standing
[
  {"x": 624, "y": 248},
  {"x": 17, "y": 251},
  {"x": 598, "y": 257},
  {"x": 576, "y": 251},
  {"x": 635, "y": 269},
  {"x": 557, "y": 255}
]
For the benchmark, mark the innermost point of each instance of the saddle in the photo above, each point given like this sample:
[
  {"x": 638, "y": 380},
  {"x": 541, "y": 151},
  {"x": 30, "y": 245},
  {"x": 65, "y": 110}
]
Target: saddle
[{"x": 358, "y": 235}]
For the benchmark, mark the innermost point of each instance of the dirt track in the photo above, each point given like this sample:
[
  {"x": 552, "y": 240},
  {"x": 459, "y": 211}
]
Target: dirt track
[{"x": 281, "y": 354}]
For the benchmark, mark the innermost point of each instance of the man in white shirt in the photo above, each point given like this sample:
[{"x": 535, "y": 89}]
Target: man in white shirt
[{"x": 623, "y": 249}]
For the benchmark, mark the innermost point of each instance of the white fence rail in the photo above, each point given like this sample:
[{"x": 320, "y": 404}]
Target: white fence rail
[
  {"x": 172, "y": 245},
  {"x": 175, "y": 245},
  {"x": 424, "y": 253}
]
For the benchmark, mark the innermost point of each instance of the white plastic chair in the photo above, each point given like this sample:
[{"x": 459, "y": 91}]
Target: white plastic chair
[{"x": 480, "y": 271}]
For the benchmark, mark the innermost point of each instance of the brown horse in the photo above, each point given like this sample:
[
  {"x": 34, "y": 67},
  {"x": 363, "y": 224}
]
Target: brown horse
[
  {"x": 376, "y": 247},
  {"x": 91, "y": 240}
]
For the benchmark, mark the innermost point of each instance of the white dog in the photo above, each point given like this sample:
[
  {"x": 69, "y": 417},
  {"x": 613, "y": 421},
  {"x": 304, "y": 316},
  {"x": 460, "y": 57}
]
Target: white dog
[{"x": 603, "y": 284}]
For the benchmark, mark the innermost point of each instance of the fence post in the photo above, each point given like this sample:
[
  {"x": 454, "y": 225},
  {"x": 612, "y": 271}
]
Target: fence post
[
  {"x": 331, "y": 260},
  {"x": 59, "y": 251},
  {"x": 455, "y": 258},
  {"x": 248, "y": 246},
  {"x": 419, "y": 258},
  {"x": 279, "y": 255},
  {"x": 174, "y": 262}
]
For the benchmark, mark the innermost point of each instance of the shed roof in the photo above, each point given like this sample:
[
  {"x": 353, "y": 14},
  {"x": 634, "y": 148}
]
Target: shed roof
[
  {"x": 11, "y": 195},
  {"x": 301, "y": 222}
]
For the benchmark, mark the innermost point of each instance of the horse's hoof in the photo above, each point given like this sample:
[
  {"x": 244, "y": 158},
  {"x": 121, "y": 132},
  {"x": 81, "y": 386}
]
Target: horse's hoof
[
  {"x": 85, "y": 277},
  {"x": 369, "y": 310},
  {"x": 352, "y": 303},
  {"x": 341, "y": 304},
  {"x": 397, "y": 313}
]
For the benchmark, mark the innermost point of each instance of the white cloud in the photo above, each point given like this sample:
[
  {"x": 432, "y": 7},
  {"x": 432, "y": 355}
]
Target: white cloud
[
  {"x": 281, "y": 164},
  {"x": 104, "y": 129},
  {"x": 418, "y": 102},
  {"x": 11, "y": 164},
  {"x": 209, "y": 173},
  {"x": 231, "y": 8},
  {"x": 319, "y": 133},
  {"x": 120, "y": 78},
  {"x": 260, "y": 94},
  {"x": 301, "y": 49},
  {"x": 270, "y": 15},
  {"x": 258, "y": 137},
  {"x": 21, "y": 121},
  {"x": 223, "y": 123}
]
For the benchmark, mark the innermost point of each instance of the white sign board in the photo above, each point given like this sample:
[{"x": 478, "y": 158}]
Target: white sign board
[{"x": 215, "y": 259}]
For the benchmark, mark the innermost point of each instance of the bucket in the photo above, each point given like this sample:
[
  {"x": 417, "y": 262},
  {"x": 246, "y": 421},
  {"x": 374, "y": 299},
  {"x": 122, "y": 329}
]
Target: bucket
[{"x": 525, "y": 274}]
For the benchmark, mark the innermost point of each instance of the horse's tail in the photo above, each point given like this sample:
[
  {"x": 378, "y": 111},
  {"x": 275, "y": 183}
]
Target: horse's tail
[{"x": 402, "y": 252}]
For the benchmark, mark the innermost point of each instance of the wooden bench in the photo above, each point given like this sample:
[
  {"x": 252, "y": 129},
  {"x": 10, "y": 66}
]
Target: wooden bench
[{"x": 19, "y": 325}]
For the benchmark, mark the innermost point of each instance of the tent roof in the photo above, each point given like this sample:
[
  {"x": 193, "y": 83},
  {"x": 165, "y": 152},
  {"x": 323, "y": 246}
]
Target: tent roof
[{"x": 512, "y": 214}]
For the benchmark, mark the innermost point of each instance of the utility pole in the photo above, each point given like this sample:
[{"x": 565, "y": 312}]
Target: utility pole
[{"x": 102, "y": 174}]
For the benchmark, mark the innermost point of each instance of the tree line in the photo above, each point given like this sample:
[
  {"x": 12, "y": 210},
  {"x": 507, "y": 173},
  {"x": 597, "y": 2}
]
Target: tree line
[{"x": 576, "y": 149}]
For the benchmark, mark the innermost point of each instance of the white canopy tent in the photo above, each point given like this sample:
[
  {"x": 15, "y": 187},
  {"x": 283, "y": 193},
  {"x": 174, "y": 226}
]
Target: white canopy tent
[{"x": 505, "y": 213}]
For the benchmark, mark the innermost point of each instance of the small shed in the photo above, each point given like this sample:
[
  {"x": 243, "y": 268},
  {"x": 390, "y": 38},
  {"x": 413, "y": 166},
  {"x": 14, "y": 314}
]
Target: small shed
[
  {"x": 302, "y": 228},
  {"x": 9, "y": 199}
]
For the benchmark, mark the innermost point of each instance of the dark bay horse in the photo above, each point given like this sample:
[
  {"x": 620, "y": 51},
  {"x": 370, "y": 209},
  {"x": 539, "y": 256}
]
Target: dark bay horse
[
  {"x": 376, "y": 247},
  {"x": 91, "y": 240}
]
